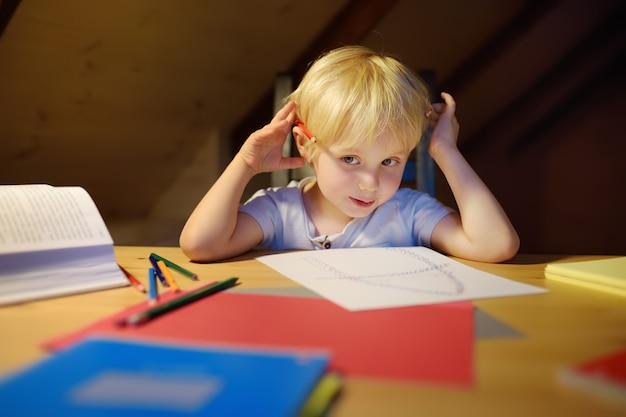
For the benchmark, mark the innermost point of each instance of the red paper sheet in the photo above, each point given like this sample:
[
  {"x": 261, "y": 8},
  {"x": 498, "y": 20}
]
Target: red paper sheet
[
  {"x": 432, "y": 343},
  {"x": 605, "y": 375}
]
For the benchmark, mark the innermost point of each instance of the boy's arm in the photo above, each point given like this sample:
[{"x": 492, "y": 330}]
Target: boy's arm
[
  {"x": 216, "y": 230},
  {"x": 483, "y": 231}
]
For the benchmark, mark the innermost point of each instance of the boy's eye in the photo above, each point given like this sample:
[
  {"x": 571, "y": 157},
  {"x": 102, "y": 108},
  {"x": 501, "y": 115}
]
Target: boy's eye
[
  {"x": 389, "y": 162},
  {"x": 350, "y": 160}
]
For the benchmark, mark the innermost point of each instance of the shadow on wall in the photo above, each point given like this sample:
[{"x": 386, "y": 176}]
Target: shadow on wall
[{"x": 162, "y": 226}]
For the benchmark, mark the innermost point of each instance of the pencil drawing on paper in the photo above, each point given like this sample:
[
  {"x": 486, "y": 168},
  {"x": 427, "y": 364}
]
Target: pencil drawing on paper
[
  {"x": 424, "y": 275},
  {"x": 371, "y": 278}
]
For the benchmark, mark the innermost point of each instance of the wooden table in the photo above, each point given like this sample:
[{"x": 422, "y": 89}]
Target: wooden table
[{"x": 514, "y": 376}]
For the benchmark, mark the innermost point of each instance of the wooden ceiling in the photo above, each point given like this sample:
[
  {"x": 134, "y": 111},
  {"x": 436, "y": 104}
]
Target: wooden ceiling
[
  {"x": 120, "y": 96},
  {"x": 117, "y": 96}
]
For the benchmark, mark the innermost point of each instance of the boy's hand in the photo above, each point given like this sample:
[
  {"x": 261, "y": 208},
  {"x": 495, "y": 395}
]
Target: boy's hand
[
  {"x": 263, "y": 150},
  {"x": 446, "y": 127}
]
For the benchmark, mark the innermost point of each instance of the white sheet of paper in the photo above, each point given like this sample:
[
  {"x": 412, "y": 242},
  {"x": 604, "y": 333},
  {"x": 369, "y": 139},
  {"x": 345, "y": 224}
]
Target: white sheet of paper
[{"x": 373, "y": 278}]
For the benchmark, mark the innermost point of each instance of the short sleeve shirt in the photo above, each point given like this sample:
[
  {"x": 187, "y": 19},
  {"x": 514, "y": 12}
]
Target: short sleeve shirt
[{"x": 406, "y": 219}]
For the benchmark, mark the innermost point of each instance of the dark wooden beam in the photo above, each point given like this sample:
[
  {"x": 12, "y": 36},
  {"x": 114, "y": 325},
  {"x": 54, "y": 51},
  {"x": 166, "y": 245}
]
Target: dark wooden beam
[
  {"x": 7, "y": 8},
  {"x": 513, "y": 30},
  {"x": 348, "y": 27},
  {"x": 608, "y": 35}
]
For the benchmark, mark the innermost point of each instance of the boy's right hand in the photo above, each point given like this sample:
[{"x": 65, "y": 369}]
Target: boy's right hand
[{"x": 263, "y": 150}]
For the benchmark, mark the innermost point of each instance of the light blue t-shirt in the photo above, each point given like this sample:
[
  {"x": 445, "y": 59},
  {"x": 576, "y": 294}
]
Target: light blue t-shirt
[{"x": 407, "y": 219}]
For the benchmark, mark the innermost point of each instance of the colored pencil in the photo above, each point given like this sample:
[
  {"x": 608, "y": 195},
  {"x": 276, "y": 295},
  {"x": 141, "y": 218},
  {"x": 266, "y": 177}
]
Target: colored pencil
[
  {"x": 305, "y": 130},
  {"x": 133, "y": 281},
  {"x": 176, "y": 267},
  {"x": 147, "y": 315},
  {"x": 158, "y": 271},
  {"x": 168, "y": 277},
  {"x": 153, "y": 296}
]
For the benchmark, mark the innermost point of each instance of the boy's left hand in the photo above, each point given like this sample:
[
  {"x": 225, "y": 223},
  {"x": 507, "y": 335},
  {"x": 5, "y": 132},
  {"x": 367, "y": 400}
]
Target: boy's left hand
[{"x": 445, "y": 125}]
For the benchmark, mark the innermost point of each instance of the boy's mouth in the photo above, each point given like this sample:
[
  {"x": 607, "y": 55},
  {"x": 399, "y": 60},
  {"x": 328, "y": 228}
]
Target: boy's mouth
[{"x": 362, "y": 203}]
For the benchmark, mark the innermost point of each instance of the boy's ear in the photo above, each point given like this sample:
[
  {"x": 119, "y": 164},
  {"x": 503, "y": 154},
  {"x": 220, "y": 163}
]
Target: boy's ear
[{"x": 301, "y": 140}]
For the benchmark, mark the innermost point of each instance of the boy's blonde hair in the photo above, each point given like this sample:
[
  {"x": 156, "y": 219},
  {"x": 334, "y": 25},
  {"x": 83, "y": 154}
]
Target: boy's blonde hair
[{"x": 352, "y": 95}]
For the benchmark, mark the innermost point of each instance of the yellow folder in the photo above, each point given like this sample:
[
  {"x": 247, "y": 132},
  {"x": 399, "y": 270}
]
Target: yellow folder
[{"x": 602, "y": 274}]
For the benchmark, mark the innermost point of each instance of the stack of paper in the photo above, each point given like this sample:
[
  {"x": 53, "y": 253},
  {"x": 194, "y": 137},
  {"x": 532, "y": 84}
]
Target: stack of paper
[{"x": 604, "y": 274}]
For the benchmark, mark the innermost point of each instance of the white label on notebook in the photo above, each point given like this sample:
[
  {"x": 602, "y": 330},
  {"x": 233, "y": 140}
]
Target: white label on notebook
[{"x": 147, "y": 390}]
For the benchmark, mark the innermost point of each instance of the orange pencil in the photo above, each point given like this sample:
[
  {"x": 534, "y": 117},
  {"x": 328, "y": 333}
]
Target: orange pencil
[
  {"x": 134, "y": 281},
  {"x": 168, "y": 276},
  {"x": 306, "y": 131}
]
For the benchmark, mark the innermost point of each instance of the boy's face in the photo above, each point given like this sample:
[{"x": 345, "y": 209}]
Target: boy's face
[{"x": 358, "y": 180}]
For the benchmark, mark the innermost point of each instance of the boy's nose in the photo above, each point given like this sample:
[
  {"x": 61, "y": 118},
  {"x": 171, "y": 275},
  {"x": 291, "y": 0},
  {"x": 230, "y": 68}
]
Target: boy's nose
[{"x": 368, "y": 181}]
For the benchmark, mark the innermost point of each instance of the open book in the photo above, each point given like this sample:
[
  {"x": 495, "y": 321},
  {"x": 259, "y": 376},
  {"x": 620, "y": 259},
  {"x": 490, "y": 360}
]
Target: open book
[{"x": 53, "y": 242}]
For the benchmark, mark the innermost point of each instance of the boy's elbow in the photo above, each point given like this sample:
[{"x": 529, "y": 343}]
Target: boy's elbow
[
  {"x": 188, "y": 250},
  {"x": 506, "y": 250},
  {"x": 192, "y": 249},
  {"x": 494, "y": 250},
  {"x": 197, "y": 250}
]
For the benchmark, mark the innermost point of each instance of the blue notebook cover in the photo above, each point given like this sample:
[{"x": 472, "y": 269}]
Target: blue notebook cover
[{"x": 106, "y": 377}]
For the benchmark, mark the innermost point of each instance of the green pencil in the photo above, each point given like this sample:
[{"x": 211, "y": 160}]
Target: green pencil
[
  {"x": 149, "y": 314},
  {"x": 178, "y": 268}
]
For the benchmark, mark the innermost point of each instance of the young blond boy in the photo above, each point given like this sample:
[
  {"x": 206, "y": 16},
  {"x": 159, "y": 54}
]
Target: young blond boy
[{"x": 356, "y": 116}]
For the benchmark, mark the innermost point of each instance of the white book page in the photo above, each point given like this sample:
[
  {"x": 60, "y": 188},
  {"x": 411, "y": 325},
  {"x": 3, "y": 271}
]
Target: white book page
[
  {"x": 85, "y": 269},
  {"x": 37, "y": 217},
  {"x": 372, "y": 278},
  {"x": 53, "y": 242}
]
